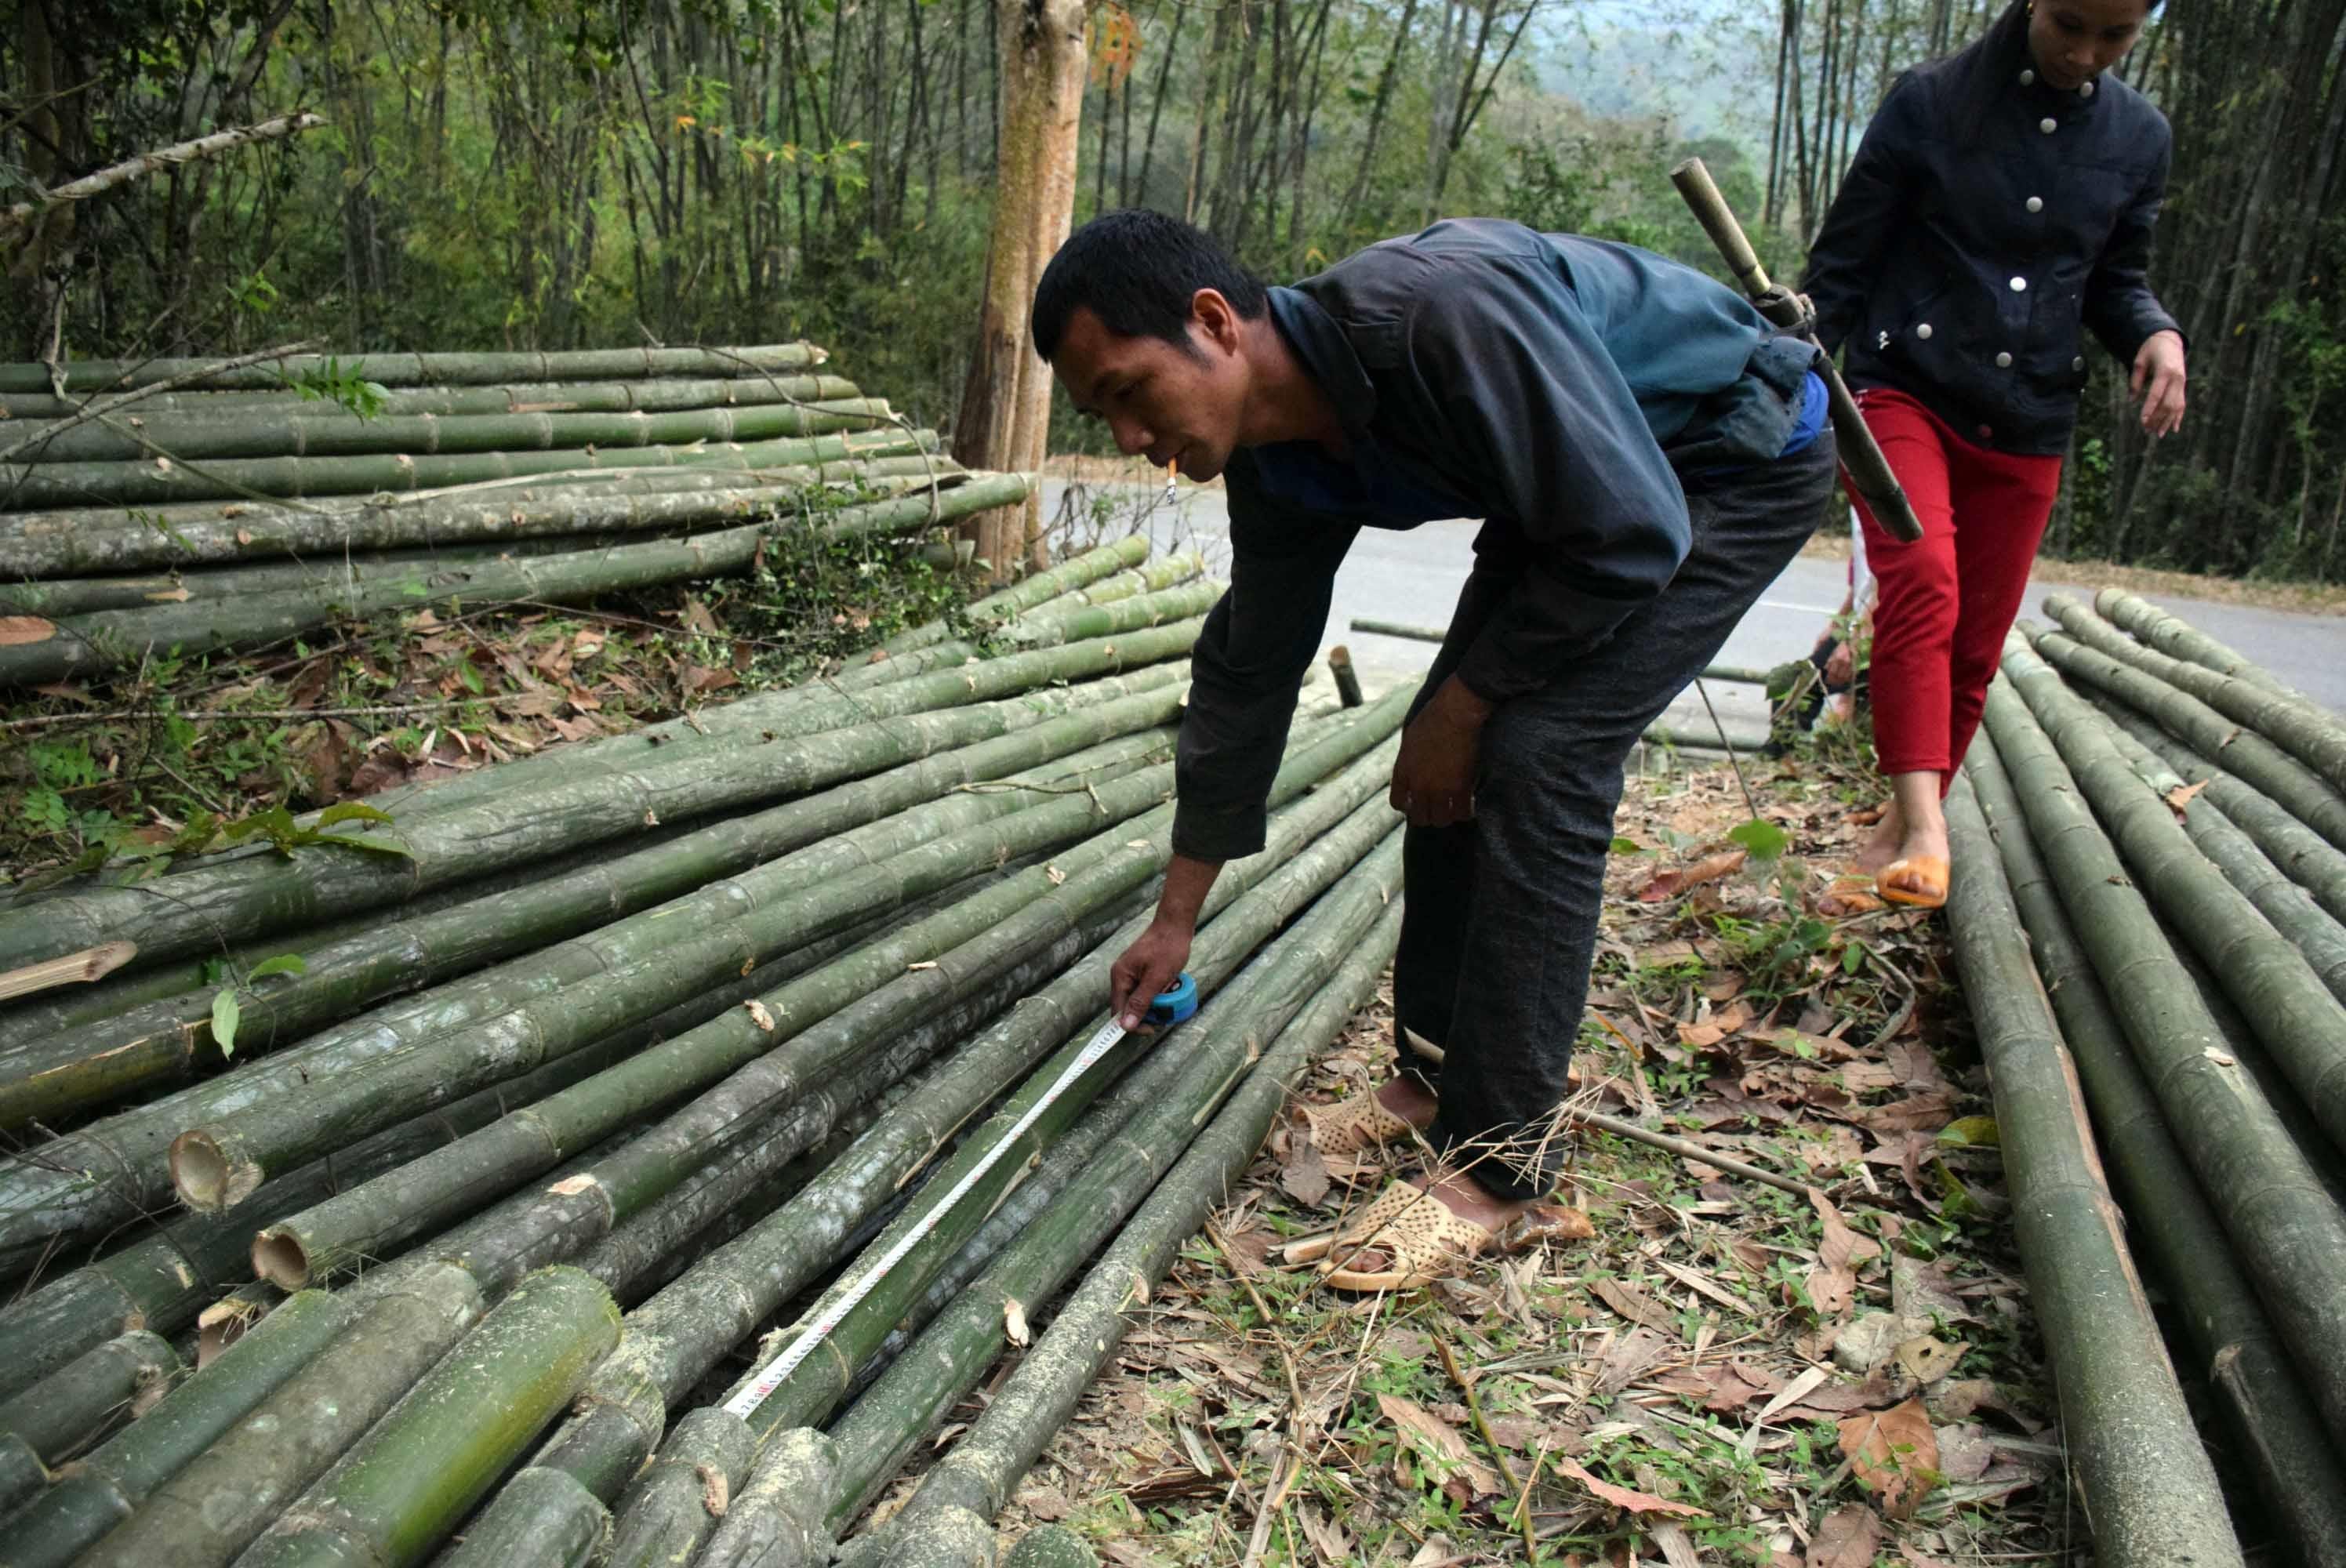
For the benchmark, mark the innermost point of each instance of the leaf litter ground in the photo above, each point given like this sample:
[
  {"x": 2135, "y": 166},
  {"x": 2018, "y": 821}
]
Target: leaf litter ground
[{"x": 1668, "y": 1365}]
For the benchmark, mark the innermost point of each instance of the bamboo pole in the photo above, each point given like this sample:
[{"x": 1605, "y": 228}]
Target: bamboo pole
[
  {"x": 2309, "y": 860},
  {"x": 171, "y": 1039},
  {"x": 415, "y": 1476},
  {"x": 820, "y": 706},
  {"x": 477, "y": 423},
  {"x": 66, "y": 1411},
  {"x": 2177, "y": 639},
  {"x": 650, "y": 961},
  {"x": 2266, "y": 977},
  {"x": 2319, "y": 940},
  {"x": 2287, "y": 1230},
  {"x": 1737, "y": 674},
  {"x": 413, "y": 1307},
  {"x": 1035, "y": 1402},
  {"x": 516, "y": 444},
  {"x": 673, "y": 1341},
  {"x": 105, "y": 640},
  {"x": 146, "y": 163},
  {"x": 128, "y": 1173},
  {"x": 2304, "y": 729},
  {"x": 407, "y": 370},
  {"x": 2171, "y": 1226},
  {"x": 2150, "y": 1494},
  {"x": 236, "y": 900},
  {"x": 2257, "y": 761},
  {"x": 102, "y": 1490},
  {"x": 248, "y": 1473},
  {"x": 29, "y": 411}
]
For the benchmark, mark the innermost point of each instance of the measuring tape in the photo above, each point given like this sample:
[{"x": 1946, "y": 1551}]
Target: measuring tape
[{"x": 1175, "y": 1003}]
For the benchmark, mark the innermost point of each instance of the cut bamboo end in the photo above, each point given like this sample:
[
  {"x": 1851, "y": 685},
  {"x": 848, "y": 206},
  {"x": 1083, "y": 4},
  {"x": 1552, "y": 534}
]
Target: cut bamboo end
[
  {"x": 279, "y": 1256},
  {"x": 207, "y": 1178}
]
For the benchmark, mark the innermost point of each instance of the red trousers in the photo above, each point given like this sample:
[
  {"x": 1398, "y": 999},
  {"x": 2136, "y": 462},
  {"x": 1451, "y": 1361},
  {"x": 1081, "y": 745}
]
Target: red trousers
[{"x": 1946, "y": 600}]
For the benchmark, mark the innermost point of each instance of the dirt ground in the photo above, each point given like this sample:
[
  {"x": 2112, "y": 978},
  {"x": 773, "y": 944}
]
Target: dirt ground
[{"x": 1673, "y": 1365}]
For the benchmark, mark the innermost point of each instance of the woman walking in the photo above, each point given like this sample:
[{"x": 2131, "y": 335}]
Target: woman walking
[{"x": 2002, "y": 201}]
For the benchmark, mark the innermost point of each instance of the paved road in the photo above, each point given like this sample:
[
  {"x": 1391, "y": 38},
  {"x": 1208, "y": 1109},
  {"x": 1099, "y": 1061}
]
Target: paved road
[{"x": 1415, "y": 577}]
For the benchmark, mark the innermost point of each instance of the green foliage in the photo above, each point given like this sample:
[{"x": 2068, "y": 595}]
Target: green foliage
[
  {"x": 276, "y": 828},
  {"x": 340, "y": 384}
]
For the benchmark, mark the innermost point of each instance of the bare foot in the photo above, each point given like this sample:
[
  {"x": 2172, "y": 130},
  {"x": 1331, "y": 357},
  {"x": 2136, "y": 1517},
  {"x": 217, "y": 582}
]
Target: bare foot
[
  {"x": 1882, "y": 846},
  {"x": 1409, "y": 1100}
]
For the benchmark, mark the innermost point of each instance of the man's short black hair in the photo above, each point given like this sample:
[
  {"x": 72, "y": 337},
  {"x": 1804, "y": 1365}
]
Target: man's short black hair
[{"x": 1137, "y": 270}]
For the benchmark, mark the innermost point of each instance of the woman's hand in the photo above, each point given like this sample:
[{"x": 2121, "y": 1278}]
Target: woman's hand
[
  {"x": 1433, "y": 777},
  {"x": 2158, "y": 378}
]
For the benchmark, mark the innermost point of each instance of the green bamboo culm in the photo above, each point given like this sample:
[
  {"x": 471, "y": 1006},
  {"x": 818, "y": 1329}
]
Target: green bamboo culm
[
  {"x": 674, "y": 1339},
  {"x": 1073, "y": 575},
  {"x": 2285, "y": 1228},
  {"x": 411, "y": 1481},
  {"x": 210, "y": 551},
  {"x": 2306, "y": 730},
  {"x": 65, "y": 1411},
  {"x": 2234, "y": 1350},
  {"x": 2267, "y": 976},
  {"x": 411, "y": 370},
  {"x": 105, "y": 640},
  {"x": 172, "y": 1039},
  {"x": 2178, "y": 638},
  {"x": 104, "y": 1487},
  {"x": 2304, "y": 793},
  {"x": 315, "y": 432},
  {"x": 71, "y": 1201},
  {"x": 987, "y": 1461},
  {"x": 1104, "y": 634},
  {"x": 662, "y": 396},
  {"x": 1052, "y": 1546},
  {"x": 2309, "y": 860},
  {"x": 2149, "y": 1492},
  {"x": 232, "y": 900},
  {"x": 2319, "y": 940},
  {"x": 159, "y": 478}
]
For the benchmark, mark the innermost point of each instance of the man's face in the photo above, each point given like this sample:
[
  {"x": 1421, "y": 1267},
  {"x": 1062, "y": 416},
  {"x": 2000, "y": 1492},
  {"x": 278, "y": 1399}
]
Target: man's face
[
  {"x": 2074, "y": 41},
  {"x": 1160, "y": 401}
]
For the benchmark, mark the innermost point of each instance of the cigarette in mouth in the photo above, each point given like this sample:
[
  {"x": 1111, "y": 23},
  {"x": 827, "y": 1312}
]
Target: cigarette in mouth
[{"x": 1172, "y": 467}]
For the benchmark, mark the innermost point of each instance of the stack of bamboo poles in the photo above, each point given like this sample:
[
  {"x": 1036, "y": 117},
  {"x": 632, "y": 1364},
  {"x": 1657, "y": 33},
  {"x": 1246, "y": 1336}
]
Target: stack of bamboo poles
[
  {"x": 168, "y": 505},
  {"x": 2149, "y": 884},
  {"x": 578, "y": 1111}
]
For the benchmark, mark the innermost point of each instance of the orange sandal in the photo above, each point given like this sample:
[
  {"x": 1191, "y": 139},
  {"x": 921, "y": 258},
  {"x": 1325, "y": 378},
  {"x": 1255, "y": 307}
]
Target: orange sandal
[
  {"x": 1919, "y": 882},
  {"x": 1421, "y": 1238}
]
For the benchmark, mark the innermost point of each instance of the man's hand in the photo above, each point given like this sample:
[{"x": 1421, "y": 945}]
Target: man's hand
[
  {"x": 1840, "y": 665},
  {"x": 1153, "y": 962},
  {"x": 1433, "y": 779},
  {"x": 2159, "y": 378}
]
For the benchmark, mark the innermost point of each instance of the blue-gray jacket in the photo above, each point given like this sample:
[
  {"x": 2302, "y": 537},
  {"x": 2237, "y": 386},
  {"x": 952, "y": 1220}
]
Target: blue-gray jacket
[
  {"x": 1564, "y": 390},
  {"x": 1972, "y": 237}
]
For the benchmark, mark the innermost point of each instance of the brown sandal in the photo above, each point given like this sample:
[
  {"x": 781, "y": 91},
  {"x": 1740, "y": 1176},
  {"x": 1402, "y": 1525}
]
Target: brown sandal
[
  {"x": 1350, "y": 1126},
  {"x": 1421, "y": 1238}
]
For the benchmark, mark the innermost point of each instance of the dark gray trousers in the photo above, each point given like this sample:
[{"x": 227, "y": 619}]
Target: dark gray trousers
[{"x": 1500, "y": 923}]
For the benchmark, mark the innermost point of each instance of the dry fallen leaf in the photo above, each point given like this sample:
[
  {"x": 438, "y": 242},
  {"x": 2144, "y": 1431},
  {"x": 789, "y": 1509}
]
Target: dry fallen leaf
[
  {"x": 1927, "y": 1360},
  {"x": 1635, "y": 1305},
  {"x": 1014, "y": 1321},
  {"x": 1847, "y": 1537},
  {"x": 1710, "y": 869},
  {"x": 760, "y": 1016},
  {"x": 1304, "y": 1175},
  {"x": 1546, "y": 1222},
  {"x": 1621, "y": 1496},
  {"x": 1894, "y": 1452},
  {"x": 2179, "y": 799},
  {"x": 1421, "y": 1429}
]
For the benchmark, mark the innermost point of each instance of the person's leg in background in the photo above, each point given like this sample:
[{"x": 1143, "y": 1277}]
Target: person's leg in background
[
  {"x": 2005, "y": 502},
  {"x": 1914, "y": 613}
]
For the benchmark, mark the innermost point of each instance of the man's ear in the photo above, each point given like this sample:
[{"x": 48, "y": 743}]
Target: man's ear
[{"x": 1212, "y": 319}]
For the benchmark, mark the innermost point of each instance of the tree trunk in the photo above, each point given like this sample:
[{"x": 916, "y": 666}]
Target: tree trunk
[{"x": 1006, "y": 405}]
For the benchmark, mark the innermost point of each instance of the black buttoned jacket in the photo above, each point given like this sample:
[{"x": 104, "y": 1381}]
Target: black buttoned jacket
[{"x": 1987, "y": 218}]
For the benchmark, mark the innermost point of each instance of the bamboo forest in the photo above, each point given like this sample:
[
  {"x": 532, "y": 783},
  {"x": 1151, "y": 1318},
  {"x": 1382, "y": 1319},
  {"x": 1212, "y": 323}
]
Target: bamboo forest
[{"x": 516, "y": 176}]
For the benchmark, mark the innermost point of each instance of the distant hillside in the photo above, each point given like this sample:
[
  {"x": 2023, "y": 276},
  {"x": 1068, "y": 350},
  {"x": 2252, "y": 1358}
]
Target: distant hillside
[{"x": 1702, "y": 64}]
